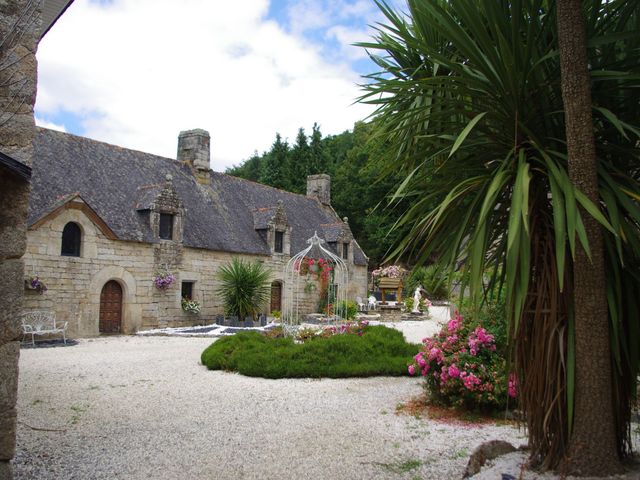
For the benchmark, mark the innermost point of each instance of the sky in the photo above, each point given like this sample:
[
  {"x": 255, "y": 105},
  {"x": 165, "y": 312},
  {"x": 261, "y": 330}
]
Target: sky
[{"x": 135, "y": 73}]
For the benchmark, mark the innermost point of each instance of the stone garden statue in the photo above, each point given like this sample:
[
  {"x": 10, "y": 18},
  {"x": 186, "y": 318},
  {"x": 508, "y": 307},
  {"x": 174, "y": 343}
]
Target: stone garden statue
[{"x": 417, "y": 296}]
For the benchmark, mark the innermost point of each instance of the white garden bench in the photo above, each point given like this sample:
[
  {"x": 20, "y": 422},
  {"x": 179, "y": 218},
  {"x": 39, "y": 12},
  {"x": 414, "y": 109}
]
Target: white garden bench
[{"x": 42, "y": 323}]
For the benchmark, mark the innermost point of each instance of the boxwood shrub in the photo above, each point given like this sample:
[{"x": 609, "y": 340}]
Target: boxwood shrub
[{"x": 379, "y": 351}]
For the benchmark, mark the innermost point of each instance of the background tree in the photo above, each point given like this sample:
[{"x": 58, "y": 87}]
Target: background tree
[
  {"x": 361, "y": 183},
  {"x": 299, "y": 163},
  {"x": 318, "y": 161},
  {"x": 275, "y": 163},
  {"x": 250, "y": 169},
  {"x": 469, "y": 97}
]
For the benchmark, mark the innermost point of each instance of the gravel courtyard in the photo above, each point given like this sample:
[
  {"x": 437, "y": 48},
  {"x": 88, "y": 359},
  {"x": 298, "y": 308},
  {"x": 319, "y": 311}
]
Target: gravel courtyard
[{"x": 131, "y": 407}]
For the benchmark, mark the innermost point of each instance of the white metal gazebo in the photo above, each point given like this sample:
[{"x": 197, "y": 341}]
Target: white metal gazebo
[{"x": 315, "y": 262}]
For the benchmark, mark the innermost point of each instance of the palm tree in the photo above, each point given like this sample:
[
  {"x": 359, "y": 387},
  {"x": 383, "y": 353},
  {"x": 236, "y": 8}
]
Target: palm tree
[
  {"x": 244, "y": 287},
  {"x": 469, "y": 94},
  {"x": 594, "y": 414}
]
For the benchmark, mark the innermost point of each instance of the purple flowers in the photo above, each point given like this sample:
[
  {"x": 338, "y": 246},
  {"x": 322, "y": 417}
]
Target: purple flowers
[
  {"x": 163, "y": 279},
  {"x": 36, "y": 284}
]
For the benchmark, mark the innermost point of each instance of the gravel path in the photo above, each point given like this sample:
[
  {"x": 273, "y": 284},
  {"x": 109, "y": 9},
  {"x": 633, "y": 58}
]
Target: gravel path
[{"x": 144, "y": 408}]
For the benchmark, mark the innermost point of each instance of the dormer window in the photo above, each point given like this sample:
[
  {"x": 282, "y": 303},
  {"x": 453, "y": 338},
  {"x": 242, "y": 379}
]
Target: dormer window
[
  {"x": 166, "y": 226},
  {"x": 279, "y": 242},
  {"x": 333, "y": 246},
  {"x": 71, "y": 239},
  {"x": 345, "y": 251}
]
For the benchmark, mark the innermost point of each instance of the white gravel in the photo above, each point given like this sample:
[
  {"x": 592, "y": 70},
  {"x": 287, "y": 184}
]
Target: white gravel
[
  {"x": 144, "y": 407},
  {"x": 132, "y": 407}
]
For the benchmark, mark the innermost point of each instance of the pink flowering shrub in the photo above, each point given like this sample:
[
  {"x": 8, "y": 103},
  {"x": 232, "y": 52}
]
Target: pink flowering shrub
[{"x": 462, "y": 366}]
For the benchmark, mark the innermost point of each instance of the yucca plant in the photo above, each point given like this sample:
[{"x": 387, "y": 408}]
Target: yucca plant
[
  {"x": 469, "y": 94},
  {"x": 244, "y": 287}
]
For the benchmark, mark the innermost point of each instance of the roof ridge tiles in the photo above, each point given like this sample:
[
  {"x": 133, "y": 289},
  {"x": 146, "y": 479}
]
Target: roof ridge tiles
[
  {"x": 102, "y": 142},
  {"x": 281, "y": 190}
]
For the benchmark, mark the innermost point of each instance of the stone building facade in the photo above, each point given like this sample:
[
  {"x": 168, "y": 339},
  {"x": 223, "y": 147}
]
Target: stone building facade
[
  {"x": 133, "y": 214},
  {"x": 19, "y": 34}
]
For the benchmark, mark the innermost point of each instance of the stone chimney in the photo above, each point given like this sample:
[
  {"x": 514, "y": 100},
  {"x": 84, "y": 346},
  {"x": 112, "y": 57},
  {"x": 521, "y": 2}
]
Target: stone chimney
[
  {"x": 194, "y": 148},
  {"x": 319, "y": 186}
]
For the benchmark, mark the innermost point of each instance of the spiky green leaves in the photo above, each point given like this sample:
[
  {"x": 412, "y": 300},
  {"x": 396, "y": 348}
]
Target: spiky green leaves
[{"x": 244, "y": 287}]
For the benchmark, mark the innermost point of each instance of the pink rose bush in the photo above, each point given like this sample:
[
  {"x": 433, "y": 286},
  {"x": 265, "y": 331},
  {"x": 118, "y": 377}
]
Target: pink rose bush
[{"x": 462, "y": 366}]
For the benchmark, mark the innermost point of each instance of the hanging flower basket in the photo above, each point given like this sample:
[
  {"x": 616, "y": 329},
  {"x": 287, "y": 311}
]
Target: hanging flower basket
[
  {"x": 34, "y": 283},
  {"x": 163, "y": 279}
]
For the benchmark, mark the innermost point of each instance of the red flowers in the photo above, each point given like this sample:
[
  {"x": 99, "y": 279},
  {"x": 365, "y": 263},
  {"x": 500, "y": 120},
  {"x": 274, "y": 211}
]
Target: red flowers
[{"x": 319, "y": 268}]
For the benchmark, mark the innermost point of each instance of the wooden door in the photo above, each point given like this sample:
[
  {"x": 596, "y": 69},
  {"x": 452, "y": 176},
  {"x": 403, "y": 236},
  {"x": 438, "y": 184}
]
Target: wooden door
[
  {"x": 110, "y": 307},
  {"x": 276, "y": 297}
]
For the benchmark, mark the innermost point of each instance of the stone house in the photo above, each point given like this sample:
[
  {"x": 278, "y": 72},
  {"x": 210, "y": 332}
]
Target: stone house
[{"x": 104, "y": 219}]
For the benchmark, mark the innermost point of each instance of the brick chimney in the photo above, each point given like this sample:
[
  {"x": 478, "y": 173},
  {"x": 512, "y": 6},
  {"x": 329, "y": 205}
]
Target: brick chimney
[
  {"x": 194, "y": 148},
  {"x": 319, "y": 186}
]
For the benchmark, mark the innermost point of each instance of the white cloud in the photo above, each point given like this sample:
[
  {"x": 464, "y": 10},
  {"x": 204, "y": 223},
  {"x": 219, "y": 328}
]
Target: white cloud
[
  {"x": 50, "y": 125},
  {"x": 137, "y": 72},
  {"x": 346, "y": 38}
]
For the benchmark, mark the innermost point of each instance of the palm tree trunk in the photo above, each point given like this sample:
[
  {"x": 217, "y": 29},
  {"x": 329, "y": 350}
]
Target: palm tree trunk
[{"x": 592, "y": 444}]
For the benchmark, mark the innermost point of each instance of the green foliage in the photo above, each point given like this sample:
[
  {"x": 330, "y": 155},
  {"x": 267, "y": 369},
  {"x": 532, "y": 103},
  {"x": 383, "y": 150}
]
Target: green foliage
[
  {"x": 469, "y": 96},
  {"x": 350, "y": 308},
  {"x": 434, "y": 281},
  {"x": 274, "y": 168},
  {"x": 250, "y": 169},
  {"x": 244, "y": 287},
  {"x": 464, "y": 366},
  {"x": 380, "y": 351},
  {"x": 490, "y": 313},
  {"x": 299, "y": 163}
]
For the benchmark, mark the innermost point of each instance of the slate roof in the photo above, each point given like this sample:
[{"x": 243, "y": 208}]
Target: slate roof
[
  {"x": 262, "y": 217},
  {"x": 331, "y": 232},
  {"x": 118, "y": 184}
]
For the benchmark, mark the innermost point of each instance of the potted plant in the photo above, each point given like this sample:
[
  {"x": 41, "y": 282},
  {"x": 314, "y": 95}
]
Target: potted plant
[
  {"x": 190, "y": 306},
  {"x": 34, "y": 283}
]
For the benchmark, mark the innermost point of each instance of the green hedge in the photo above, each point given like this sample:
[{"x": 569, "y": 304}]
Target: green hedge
[{"x": 380, "y": 351}]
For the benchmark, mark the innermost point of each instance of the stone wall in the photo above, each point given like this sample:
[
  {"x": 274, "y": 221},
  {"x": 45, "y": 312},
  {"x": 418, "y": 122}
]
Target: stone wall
[
  {"x": 74, "y": 283},
  {"x": 19, "y": 21}
]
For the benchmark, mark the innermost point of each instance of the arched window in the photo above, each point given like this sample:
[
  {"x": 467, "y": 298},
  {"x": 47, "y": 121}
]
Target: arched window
[{"x": 71, "y": 237}]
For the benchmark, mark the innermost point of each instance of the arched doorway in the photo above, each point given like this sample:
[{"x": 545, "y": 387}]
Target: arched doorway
[
  {"x": 276, "y": 297},
  {"x": 110, "y": 308}
]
